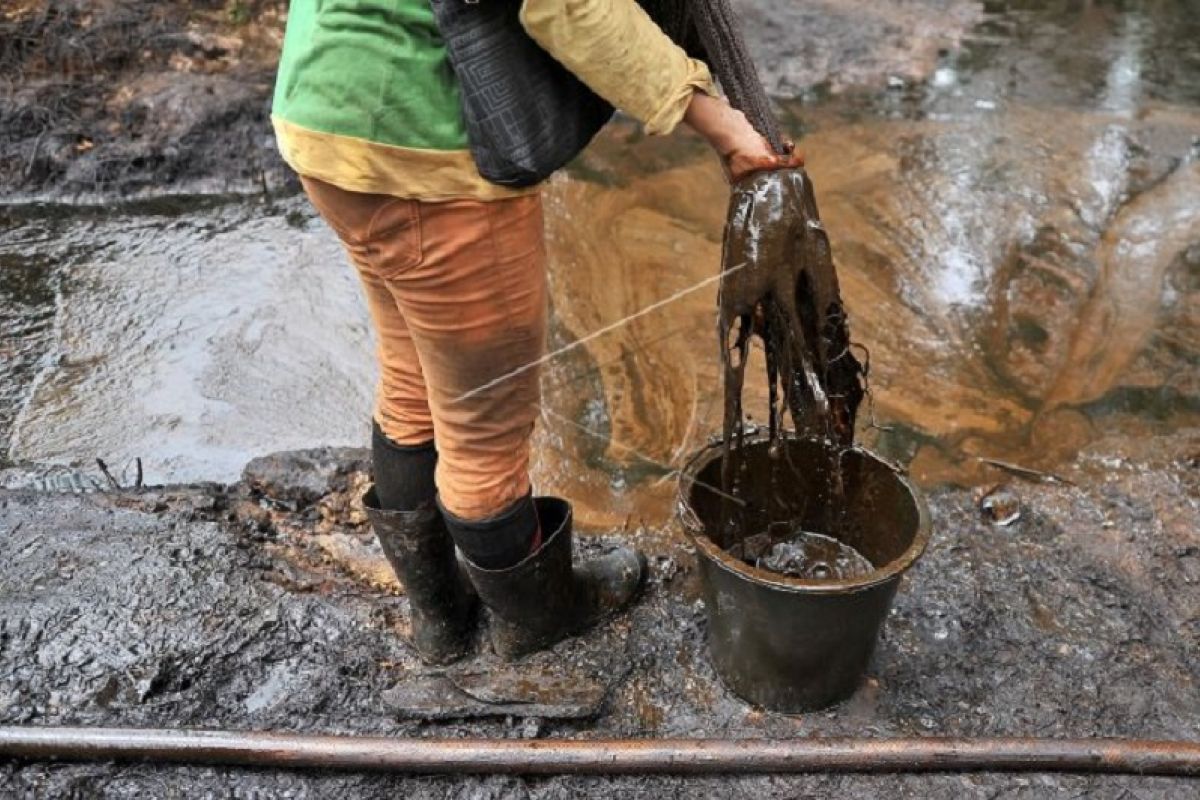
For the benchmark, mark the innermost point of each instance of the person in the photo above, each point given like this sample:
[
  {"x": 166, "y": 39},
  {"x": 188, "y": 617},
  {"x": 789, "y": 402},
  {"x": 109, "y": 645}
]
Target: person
[{"x": 367, "y": 111}]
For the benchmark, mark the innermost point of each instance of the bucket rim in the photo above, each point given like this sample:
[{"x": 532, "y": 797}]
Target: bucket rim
[{"x": 891, "y": 571}]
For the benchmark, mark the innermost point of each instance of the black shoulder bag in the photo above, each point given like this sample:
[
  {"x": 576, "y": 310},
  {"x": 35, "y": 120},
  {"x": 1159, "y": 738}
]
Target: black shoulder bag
[{"x": 526, "y": 114}]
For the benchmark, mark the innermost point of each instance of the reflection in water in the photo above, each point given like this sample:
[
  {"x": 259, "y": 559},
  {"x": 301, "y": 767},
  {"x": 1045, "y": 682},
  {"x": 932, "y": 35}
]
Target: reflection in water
[
  {"x": 1009, "y": 367},
  {"x": 1018, "y": 243}
]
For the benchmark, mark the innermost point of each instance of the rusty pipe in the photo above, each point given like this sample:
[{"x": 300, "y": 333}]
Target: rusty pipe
[{"x": 601, "y": 756}]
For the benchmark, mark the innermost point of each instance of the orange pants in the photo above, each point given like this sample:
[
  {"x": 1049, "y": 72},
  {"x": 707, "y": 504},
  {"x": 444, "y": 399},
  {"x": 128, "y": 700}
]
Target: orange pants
[{"x": 457, "y": 294}]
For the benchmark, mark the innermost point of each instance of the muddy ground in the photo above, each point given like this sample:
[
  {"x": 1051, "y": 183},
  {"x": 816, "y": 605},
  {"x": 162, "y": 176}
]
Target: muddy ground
[
  {"x": 265, "y": 605},
  {"x": 134, "y": 97},
  {"x": 123, "y": 97}
]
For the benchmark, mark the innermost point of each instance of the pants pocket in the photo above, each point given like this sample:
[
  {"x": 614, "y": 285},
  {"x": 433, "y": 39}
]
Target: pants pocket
[
  {"x": 382, "y": 232},
  {"x": 393, "y": 240}
]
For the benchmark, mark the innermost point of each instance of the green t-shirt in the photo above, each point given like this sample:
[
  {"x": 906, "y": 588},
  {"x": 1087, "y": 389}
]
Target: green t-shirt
[{"x": 370, "y": 69}]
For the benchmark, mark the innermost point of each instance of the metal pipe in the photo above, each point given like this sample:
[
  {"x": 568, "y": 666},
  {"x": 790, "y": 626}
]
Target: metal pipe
[{"x": 601, "y": 756}]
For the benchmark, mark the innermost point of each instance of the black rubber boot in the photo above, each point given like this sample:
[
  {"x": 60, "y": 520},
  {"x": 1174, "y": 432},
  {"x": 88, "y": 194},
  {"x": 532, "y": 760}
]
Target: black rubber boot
[
  {"x": 544, "y": 598},
  {"x": 440, "y": 597},
  {"x": 497, "y": 542}
]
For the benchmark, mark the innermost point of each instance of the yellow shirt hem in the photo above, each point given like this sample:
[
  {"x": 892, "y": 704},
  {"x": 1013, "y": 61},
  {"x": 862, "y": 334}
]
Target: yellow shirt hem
[{"x": 360, "y": 165}]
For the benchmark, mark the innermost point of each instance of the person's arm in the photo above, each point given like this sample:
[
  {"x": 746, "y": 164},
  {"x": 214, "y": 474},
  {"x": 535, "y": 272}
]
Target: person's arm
[
  {"x": 742, "y": 149},
  {"x": 621, "y": 54}
]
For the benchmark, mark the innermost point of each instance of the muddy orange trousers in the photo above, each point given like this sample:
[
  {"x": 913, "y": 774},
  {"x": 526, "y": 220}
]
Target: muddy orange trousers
[{"x": 457, "y": 294}]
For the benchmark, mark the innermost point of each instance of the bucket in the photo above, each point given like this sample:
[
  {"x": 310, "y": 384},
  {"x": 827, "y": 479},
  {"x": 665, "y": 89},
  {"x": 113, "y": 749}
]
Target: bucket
[{"x": 800, "y": 644}]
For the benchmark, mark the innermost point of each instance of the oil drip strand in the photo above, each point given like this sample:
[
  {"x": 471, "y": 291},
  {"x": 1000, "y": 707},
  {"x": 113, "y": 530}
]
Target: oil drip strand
[
  {"x": 779, "y": 284},
  {"x": 778, "y": 279}
]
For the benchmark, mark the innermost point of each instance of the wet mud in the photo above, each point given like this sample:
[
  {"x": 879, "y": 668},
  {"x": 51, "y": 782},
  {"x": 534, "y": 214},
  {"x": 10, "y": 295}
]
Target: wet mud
[
  {"x": 993, "y": 225},
  {"x": 212, "y": 605},
  {"x": 173, "y": 332},
  {"x": 135, "y": 97}
]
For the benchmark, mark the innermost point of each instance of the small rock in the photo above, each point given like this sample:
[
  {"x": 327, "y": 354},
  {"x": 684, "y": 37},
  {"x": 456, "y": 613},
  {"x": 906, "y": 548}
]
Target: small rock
[
  {"x": 304, "y": 476},
  {"x": 1001, "y": 506},
  {"x": 668, "y": 568}
]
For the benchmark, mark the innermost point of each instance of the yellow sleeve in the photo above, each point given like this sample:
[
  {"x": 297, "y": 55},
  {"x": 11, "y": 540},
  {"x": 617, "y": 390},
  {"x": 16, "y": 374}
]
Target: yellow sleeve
[{"x": 621, "y": 54}]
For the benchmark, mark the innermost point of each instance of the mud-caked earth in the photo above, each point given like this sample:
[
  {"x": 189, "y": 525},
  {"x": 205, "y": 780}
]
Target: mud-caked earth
[
  {"x": 267, "y": 605},
  {"x": 136, "y": 96},
  {"x": 1010, "y": 189}
]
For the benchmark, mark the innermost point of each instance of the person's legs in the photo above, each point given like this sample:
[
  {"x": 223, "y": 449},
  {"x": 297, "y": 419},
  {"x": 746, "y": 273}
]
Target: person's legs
[
  {"x": 403, "y": 454},
  {"x": 464, "y": 285},
  {"x": 380, "y": 235},
  {"x": 476, "y": 310},
  {"x": 476, "y": 307}
]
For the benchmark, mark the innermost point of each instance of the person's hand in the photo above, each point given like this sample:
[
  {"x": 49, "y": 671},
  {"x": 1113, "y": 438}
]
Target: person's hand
[
  {"x": 758, "y": 156},
  {"x": 742, "y": 149}
]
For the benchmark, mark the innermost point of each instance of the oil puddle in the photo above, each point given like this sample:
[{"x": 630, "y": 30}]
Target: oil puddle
[
  {"x": 803, "y": 554},
  {"x": 1020, "y": 257},
  {"x": 1016, "y": 240}
]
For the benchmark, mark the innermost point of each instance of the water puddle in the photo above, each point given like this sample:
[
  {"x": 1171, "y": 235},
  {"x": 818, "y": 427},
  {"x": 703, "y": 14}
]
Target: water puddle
[
  {"x": 1017, "y": 241},
  {"x": 193, "y": 335}
]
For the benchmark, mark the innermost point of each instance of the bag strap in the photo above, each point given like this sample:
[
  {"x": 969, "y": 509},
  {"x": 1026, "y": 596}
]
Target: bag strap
[{"x": 729, "y": 58}]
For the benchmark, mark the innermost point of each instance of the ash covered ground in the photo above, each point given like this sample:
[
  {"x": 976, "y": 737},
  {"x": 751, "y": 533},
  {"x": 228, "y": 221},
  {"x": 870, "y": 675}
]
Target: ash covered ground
[{"x": 266, "y": 605}]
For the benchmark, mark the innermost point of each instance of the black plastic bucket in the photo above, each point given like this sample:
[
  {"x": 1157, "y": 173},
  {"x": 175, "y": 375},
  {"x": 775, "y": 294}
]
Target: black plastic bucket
[{"x": 793, "y": 644}]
